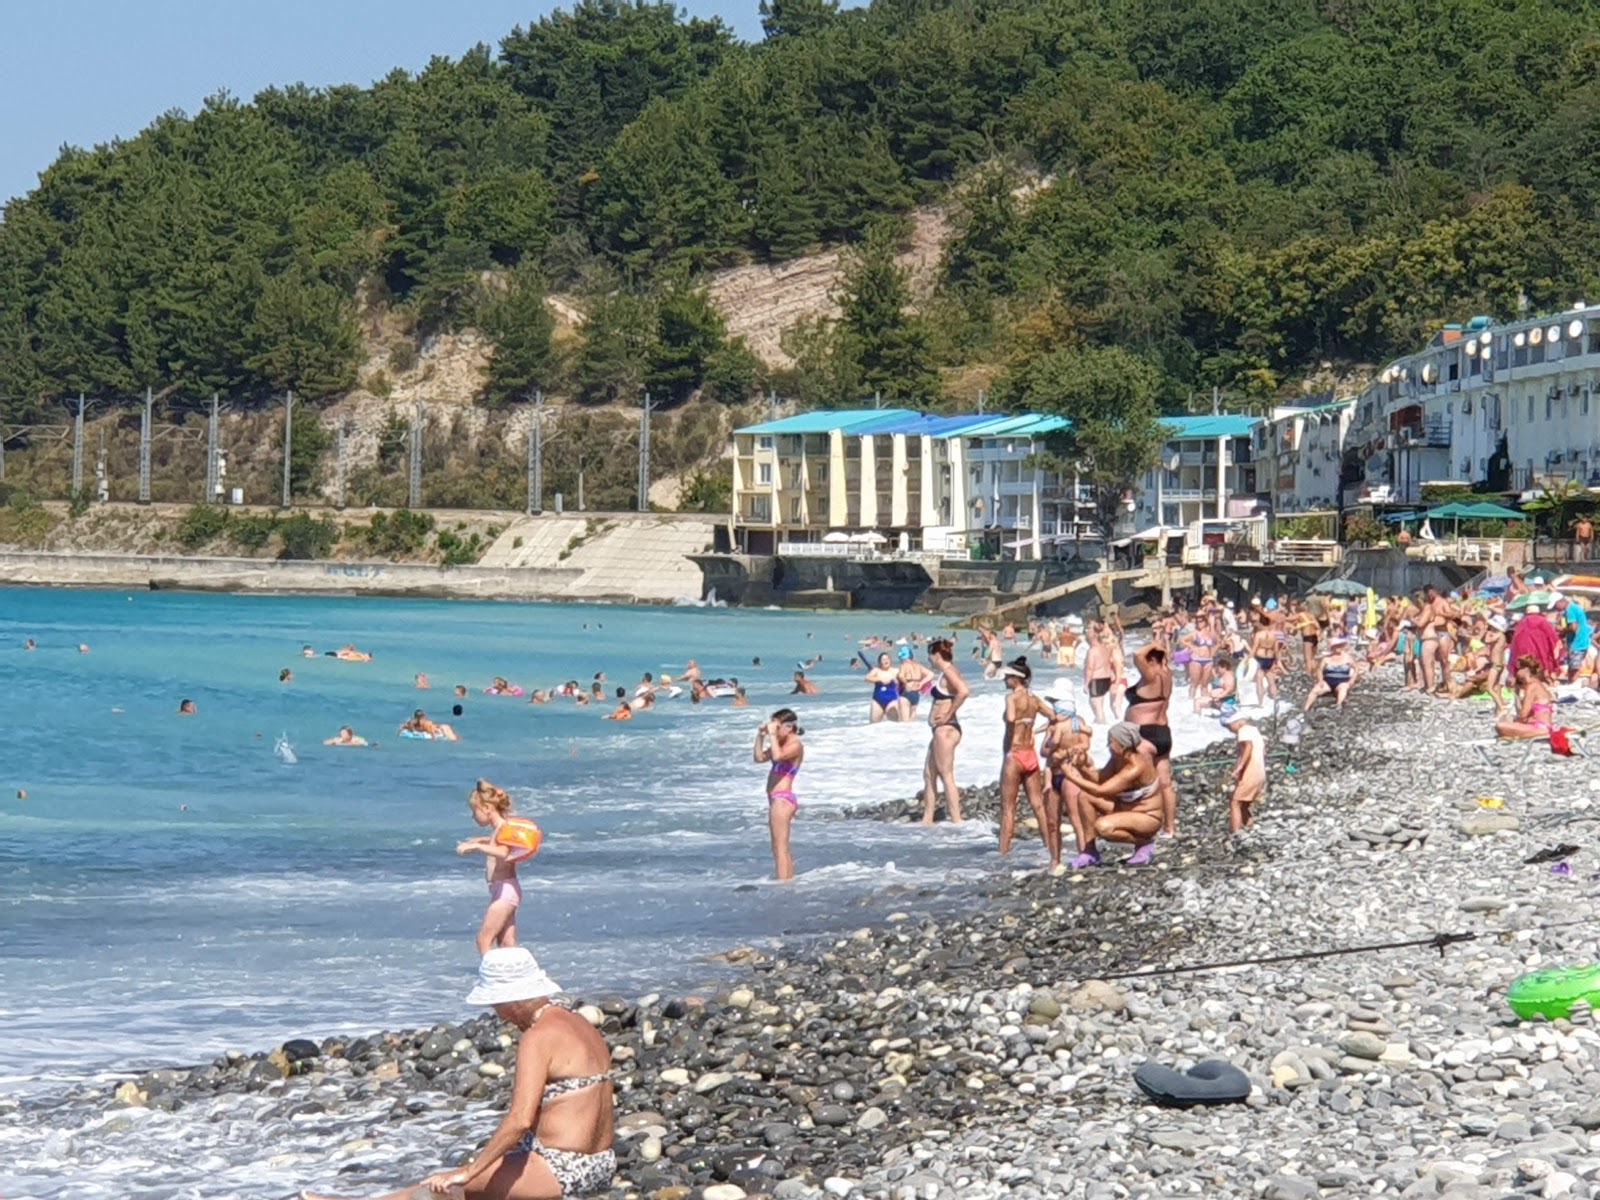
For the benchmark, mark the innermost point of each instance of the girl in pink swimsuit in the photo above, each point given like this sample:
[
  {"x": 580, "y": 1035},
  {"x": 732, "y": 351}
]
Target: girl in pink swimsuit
[
  {"x": 490, "y": 808},
  {"x": 778, "y": 742}
]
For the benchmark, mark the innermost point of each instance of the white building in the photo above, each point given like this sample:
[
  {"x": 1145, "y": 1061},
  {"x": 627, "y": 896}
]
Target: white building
[
  {"x": 1299, "y": 454},
  {"x": 1507, "y": 406},
  {"x": 1207, "y": 469}
]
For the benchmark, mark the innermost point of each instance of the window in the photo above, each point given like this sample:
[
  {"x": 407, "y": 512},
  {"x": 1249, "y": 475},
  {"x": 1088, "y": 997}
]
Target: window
[
  {"x": 822, "y": 472},
  {"x": 1584, "y": 403},
  {"x": 794, "y": 475},
  {"x": 764, "y": 443},
  {"x": 1530, "y": 410},
  {"x": 1548, "y": 406},
  {"x": 764, "y": 471},
  {"x": 794, "y": 511}
]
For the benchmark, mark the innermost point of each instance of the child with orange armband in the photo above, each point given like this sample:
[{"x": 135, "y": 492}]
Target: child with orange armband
[{"x": 511, "y": 840}]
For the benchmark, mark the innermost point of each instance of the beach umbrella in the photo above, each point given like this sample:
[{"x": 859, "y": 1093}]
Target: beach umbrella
[
  {"x": 1486, "y": 511},
  {"x": 1540, "y": 598},
  {"x": 1339, "y": 587}
]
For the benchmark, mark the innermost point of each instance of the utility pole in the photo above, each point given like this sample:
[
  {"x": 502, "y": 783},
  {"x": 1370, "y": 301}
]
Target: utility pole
[
  {"x": 1216, "y": 400},
  {"x": 144, "y": 448},
  {"x": 414, "y": 497},
  {"x": 644, "y": 456},
  {"x": 772, "y": 404},
  {"x": 77, "y": 450},
  {"x": 344, "y": 461},
  {"x": 536, "y": 456},
  {"x": 877, "y": 399},
  {"x": 288, "y": 443},
  {"x": 213, "y": 482},
  {"x": 983, "y": 399},
  {"x": 102, "y": 486}
]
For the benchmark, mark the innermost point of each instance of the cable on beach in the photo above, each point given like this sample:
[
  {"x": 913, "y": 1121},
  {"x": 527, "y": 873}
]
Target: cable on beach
[{"x": 1438, "y": 941}]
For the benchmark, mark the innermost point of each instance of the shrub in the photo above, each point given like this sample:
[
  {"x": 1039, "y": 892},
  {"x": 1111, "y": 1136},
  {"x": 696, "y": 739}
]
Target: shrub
[
  {"x": 253, "y": 532},
  {"x": 305, "y": 537},
  {"x": 458, "y": 551},
  {"x": 403, "y": 357},
  {"x": 397, "y": 534},
  {"x": 202, "y": 525}
]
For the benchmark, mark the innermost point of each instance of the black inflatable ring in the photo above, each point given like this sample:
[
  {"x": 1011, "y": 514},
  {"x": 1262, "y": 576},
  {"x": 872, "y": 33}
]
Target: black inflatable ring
[{"x": 1210, "y": 1082}]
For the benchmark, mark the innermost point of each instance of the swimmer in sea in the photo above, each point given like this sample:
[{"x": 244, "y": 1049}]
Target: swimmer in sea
[
  {"x": 739, "y": 699},
  {"x": 349, "y": 653},
  {"x": 83, "y": 647},
  {"x": 420, "y": 723},
  {"x": 286, "y": 676},
  {"x": 461, "y": 690},
  {"x": 28, "y": 645},
  {"x": 778, "y": 742},
  {"x": 308, "y": 651},
  {"x": 624, "y": 709},
  {"x": 490, "y": 807},
  {"x": 802, "y": 685},
  {"x": 186, "y": 708},
  {"x": 346, "y": 737},
  {"x": 885, "y": 681},
  {"x": 421, "y": 682}
]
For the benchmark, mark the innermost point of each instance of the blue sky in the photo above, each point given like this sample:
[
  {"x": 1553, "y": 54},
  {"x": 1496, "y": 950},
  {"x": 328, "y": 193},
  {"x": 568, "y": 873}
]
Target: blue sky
[{"x": 82, "y": 72}]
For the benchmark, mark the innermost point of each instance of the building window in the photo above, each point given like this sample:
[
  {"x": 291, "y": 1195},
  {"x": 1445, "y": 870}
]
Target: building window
[
  {"x": 1530, "y": 410},
  {"x": 764, "y": 443},
  {"x": 1583, "y": 405},
  {"x": 1548, "y": 406},
  {"x": 794, "y": 510},
  {"x": 764, "y": 472}
]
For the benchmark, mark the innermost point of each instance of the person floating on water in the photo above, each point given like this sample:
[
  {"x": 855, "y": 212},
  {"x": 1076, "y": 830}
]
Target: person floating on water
[
  {"x": 421, "y": 725},
  {"x": 491, "y": 808},
  {"x": 346, "y": 737},
  {"x": 556, "y": 1135},
  {"x": 778, "y": 742},
  {"x": 349, "y": 653}
]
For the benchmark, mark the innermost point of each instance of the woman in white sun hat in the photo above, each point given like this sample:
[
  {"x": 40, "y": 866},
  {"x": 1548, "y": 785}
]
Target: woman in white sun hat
[{"x": 555, "y": 1138}]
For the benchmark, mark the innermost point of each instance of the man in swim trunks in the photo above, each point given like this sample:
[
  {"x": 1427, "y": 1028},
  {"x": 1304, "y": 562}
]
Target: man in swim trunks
[
  {"x": 1097, "y": 672},
  {"x": 1021, "y": 768}
]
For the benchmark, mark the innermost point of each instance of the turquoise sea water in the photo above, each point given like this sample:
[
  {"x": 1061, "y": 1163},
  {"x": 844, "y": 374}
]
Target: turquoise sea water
[{"x": 170, "y": 888}]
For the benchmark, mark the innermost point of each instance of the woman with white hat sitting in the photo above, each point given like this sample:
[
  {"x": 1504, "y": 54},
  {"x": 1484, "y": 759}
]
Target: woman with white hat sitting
[{"x": 555, "y": 1138}]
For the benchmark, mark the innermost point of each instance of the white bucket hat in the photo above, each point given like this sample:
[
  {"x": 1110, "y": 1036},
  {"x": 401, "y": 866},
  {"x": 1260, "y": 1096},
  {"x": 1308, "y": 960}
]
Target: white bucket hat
[
  {"x": 508, "y": 974},
  {"x": 1061, "y": 689}
]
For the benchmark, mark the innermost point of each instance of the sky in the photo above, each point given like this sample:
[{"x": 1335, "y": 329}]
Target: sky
[{"x": 82, "y": 72}]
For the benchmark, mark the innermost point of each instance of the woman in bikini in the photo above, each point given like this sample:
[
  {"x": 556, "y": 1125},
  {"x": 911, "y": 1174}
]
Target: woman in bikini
[
  {"x": 912, "y": 678},
  {"x": 778, "y": 742},
  {"x": 1147, "y": 708},
  {"x": 1310, "y": 634},
  {"x": 948, "y": 694},
  {"x": 1122, "y": 800},
  {"x": 1264, "y": 649},
  {"x": 1536, "y": 703},
  {"x": 1202, "y": 650},
  {"x": 555, "y": 1138},
  {"x": 885, "y": 681},
  {"x": 1020, "y": 771}
]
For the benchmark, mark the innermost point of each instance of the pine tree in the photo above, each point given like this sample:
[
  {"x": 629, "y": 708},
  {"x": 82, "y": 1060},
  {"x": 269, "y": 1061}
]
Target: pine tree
[{"x": 888, "y": 345}]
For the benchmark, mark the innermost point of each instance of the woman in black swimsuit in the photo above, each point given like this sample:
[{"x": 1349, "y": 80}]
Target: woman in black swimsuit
[
  {"x": 949, "y": 693},
  {"x": 1147, "y": 708}
]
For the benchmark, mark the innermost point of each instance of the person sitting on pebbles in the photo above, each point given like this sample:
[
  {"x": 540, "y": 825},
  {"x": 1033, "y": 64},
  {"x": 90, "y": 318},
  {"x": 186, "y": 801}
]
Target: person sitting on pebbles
[
  {"x": 555, "y": 1139},
  {"x": 1120, "y": 801},
  {"x": 1338, "y": 673}
]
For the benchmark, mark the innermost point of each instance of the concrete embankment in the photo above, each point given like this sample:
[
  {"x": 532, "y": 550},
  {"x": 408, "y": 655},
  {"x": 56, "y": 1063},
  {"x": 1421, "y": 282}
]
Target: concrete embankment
[{"x": 271, "y": 575}]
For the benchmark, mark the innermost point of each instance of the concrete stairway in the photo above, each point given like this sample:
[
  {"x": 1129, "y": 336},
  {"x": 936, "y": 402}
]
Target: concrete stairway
[{"x": 641, "y": 556}]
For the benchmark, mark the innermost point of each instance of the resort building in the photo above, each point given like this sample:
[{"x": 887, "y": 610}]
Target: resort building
[
  {"x": 1207, "y": 470},
  {"x": 1300, "y": 455},
  {"x": 830, "y": 481},
  {"x": 1508, "y": 407}
]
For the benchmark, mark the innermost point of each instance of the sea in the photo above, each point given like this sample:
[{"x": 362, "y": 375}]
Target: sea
[{"x": 173, "y": 887}]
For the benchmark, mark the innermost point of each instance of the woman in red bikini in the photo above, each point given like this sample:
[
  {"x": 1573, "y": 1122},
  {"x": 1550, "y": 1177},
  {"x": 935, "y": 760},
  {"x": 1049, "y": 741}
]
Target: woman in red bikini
[
  {"x": 1021, "y": 763},
  {"x": 778, "y": 742}
]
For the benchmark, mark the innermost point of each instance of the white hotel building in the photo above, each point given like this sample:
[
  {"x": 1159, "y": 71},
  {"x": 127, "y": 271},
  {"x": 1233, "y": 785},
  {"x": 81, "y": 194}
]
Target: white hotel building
[{"x": 1511, "y": 406}]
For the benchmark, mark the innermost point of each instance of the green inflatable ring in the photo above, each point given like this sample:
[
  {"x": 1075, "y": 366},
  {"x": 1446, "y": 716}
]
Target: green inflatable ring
[{"x": 1552, "y": 992}]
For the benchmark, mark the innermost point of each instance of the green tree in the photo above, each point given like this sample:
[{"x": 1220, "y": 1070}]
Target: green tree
[
  {"x": 618, "y": 342},
  {"x": 305, "y": 335},
  {"x": 520, "y": 324},
  {"x": 888, "y": 345},
  {"x": 690, "y": 334},
  {"x": 796, "y": 18},
  {"x": 1110, "y": 397}
]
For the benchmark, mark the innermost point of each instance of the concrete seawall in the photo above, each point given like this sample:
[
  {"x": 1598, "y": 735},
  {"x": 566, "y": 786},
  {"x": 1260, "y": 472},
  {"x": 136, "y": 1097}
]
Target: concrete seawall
[{"x": 271, "y": 575}]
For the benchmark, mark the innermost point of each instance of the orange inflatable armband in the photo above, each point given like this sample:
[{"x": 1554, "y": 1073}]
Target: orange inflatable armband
[{"x": 521, "y": 835}]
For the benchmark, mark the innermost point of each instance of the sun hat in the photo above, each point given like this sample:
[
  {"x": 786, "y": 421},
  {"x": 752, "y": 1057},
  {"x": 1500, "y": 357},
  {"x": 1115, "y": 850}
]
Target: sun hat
[
  {"x": 508, "y": 974},
  {"x": 1498, "y": 621},
  {"x": 1125, "y": 734}
]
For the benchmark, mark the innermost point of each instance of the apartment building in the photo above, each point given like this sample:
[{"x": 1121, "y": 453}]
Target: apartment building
[
  {"x": 1207, "y": 470},
  {"x": 918, "y": 482},
  {"x": 1300, "y": 454}
]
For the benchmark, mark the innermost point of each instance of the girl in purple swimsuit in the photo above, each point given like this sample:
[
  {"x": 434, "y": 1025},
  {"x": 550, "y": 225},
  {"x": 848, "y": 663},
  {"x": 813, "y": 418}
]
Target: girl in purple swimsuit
[{"x": 778, "y": 742}]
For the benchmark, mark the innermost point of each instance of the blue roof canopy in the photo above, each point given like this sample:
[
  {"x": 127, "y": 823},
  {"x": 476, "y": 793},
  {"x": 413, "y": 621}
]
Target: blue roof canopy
[
  {"x": 1225, "y": 425},
  {"x": 827, "y": 420}
]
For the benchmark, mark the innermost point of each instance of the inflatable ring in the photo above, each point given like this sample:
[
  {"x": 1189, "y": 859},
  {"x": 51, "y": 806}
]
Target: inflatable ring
[
  {"x": 1551, "y": 992},
  {"x": 1210, "y": 1082},
  {"x": 521, "y": 836},
  {"x": 416, "y": 733}
]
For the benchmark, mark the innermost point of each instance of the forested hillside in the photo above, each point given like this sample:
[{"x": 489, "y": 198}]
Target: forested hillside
[{"x": 1184, "y": 193}]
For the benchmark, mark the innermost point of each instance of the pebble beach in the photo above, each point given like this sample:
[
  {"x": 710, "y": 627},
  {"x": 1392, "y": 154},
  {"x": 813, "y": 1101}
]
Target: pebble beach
[{"x": 986, "y": 1047}]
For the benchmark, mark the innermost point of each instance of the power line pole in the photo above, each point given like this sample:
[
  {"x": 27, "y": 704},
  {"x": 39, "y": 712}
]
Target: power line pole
[
  {"x": 77, "y": 450},
  {"x": 536, "y": 455},
  {"x": 344, "y": 459},
  {"x": 414, "y": 501},
  {"x": 983, "y": 399},
  {"x": 644, "y": 456},
  {"x": 144, "y": 448},
  {"x": 212, "y": 481},
  {"x": 772, "y": 404},
  {"x": 288, "y": 443}
]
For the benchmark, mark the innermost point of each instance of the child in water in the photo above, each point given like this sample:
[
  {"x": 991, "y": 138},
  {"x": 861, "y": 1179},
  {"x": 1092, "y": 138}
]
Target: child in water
[{"x": 490, "y": 808}]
